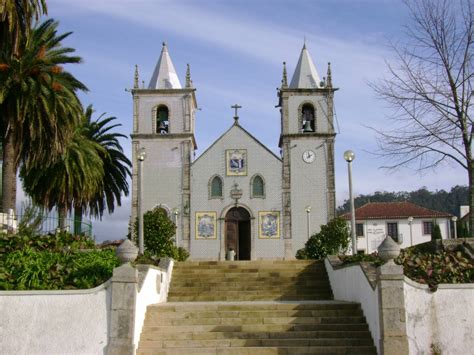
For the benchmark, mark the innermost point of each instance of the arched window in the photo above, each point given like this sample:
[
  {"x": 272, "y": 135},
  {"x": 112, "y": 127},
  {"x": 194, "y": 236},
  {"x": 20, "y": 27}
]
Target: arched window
[
  {"x": 258, "y": 187},
  {"x": 215, "y": 188},
  {"x": 162, "y": 120},
  {"x": 308, "y": 118}
]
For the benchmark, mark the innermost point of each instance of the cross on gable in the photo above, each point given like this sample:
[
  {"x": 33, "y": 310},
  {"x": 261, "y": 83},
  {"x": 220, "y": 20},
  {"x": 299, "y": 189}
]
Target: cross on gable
[{"x": 236, "y": 107}]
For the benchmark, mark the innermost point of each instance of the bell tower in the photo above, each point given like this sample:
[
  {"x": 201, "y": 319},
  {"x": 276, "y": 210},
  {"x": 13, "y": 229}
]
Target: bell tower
[
  {"x": 307, "y": 145},
  {"x": 163, "y": 127}
]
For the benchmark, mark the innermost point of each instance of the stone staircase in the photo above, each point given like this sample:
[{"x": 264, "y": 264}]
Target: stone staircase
[{"x": 253, "y": 307}]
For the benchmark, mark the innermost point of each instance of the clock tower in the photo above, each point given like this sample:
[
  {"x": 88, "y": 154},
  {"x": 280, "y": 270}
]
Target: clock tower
[{"x": 307, "y": 145}]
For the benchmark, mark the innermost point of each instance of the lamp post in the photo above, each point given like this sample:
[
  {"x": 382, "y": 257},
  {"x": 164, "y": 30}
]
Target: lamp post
[
  {"x": 349, "y": 156},
  {"x": 410, "y": 221},
  {"x": 308, "y": 211},
  {"x": 141, "y": 159},
  {"x": 454, "y": 219},
  {"x": 176, "y": 214}
]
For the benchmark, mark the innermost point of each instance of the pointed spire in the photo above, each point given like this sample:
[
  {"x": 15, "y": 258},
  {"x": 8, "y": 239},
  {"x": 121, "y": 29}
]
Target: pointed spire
[
  {"x": 189, "y": 82},
  {"x": 136, "y": 78},
  {"x": 329, "y": 74},
  {"x": 305, "y": 75},
  {"x": 164, "y": 76},
  {"x": 284, "y": 81}
]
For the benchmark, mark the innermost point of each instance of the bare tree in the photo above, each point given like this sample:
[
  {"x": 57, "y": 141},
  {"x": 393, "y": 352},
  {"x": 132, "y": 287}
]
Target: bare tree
[{"x": 430, "y": 90}]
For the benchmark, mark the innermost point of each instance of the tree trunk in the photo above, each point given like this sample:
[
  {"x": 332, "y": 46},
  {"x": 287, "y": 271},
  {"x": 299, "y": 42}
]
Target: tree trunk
[
  {"x": 78, "y": 220},
  {"x": 62, "y": 212},
  {"x": 471, "y": 198},
  {"x": 8, "y": 175}
]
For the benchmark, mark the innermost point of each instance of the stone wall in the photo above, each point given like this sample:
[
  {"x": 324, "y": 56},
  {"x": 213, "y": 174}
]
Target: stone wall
[{"x": 55, "y": 322}]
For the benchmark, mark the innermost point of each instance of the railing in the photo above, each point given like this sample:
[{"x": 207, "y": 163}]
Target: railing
[{"x": 43, "y": 223}]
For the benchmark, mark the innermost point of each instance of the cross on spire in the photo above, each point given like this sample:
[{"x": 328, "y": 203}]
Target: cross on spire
[{"x": 236, "y": 107}]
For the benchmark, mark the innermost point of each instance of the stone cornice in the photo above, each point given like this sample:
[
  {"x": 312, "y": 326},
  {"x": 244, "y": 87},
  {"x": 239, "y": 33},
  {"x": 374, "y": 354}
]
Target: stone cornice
[
  {"x": 165, "y": 136},
  {"x": 305, "y": 136}
]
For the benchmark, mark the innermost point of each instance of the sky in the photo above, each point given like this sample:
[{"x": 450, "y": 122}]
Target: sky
[{"x": 235, "y": 49}]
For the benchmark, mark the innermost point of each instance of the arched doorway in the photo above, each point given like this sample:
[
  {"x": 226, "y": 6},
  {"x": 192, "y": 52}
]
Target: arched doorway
[{"x": 238, "y": 233}]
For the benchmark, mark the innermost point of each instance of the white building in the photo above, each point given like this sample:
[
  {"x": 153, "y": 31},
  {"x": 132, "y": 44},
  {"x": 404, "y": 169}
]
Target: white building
[
  {"x": 405, "y": 222},
  {"x": 237, "y": 194}
]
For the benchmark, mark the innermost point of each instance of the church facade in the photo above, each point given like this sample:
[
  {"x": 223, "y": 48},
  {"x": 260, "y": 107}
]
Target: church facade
[{"x": 237, "y": 195}]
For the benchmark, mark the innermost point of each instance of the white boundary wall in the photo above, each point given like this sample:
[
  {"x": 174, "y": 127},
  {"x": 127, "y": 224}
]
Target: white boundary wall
[
  {"x": 443, "y": 319},
  {"x": 154, "y": 290},
  {"x": 350, "y": 284},
  {"x": 55, "y": 322}
]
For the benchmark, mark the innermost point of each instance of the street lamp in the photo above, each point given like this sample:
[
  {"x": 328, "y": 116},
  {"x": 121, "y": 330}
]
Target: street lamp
[
  {"x": 454, "y": 219},
  {"x": 141, "y": 159},
  {"x": 349, "y": 156},
  {"x": 410, "y": 221},
  {"x": 176, "y": 214},
  {"x": 308, "y": 211}
]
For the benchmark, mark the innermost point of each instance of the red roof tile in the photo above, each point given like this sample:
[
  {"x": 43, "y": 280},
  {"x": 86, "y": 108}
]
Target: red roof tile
[{"x": 394, "y": 210}]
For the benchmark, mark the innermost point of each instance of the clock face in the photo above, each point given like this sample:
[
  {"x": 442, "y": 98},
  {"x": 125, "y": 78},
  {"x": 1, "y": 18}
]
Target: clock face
[{"x": 309, "y": 156}]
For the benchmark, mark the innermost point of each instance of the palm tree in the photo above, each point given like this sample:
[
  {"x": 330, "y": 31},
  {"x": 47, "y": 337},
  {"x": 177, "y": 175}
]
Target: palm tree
[
  {"x": 116, "y": 165},
  {"x": 15, "y": 20},
  {"x": 38, "y": 104},
  {"x": 71, "y": 180}
]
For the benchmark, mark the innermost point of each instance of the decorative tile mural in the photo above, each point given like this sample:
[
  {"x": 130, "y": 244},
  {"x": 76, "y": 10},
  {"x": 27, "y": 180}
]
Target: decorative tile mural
[
  {"x": 206, "y": 225},
  {"x": 269, "y": 224},
  {"x": 236, "y": 162}
]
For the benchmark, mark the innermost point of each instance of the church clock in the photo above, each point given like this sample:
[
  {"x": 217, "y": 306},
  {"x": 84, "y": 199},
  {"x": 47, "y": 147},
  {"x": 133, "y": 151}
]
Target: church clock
[{"x": 309, "y": 156}]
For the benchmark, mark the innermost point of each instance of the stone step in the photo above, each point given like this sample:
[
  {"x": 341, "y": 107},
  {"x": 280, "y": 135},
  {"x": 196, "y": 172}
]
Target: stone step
[
  {"x": 256, "y": 320},
  {"x": 333, "y": 350},
  {"x": 251, "y": 306},
  {"x": 251, "y": 328},
  {"x": 252, "y": 283},
  {"x": 193, "y": 271},
  {"x": 196, "y": 289},
  {"x": 251, "y": 297},
  {"x": 248, "y": 263},
  {"x": 256, "y": 313},
  {"x": 148, "y": 334},
  {"x": 154, "y": 344}
]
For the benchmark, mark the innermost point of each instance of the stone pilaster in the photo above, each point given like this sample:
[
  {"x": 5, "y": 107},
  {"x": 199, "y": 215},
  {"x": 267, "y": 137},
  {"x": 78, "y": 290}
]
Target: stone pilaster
[
  {"x": 122, "y": 319},
  {"x": 186, "y": 193},
  {"x": 330, "y": 176},
  {"x": 393, "y": 334}
]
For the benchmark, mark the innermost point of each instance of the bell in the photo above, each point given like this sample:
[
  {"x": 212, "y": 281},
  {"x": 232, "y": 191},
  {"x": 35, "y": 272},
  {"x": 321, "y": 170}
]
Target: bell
[
  {"x": 162, "y": 127},
  {"x": 307, "y": 127}
]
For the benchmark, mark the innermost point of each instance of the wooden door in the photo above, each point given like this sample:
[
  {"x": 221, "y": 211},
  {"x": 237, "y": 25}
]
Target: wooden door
[{"x": 232, "y": 236}]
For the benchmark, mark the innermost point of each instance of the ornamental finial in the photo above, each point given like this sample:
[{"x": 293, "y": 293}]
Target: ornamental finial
[
  {"x": 189, "y": 83},
  {"x": 284, "y": 80},
  {"x": 329, "y": 76},
  {"x": 136, "y": 78}
]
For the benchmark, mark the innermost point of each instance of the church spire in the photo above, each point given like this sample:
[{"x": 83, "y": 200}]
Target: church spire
[
  {"x": 164, "y": 76},
  {"x": 305, "y": 75}
]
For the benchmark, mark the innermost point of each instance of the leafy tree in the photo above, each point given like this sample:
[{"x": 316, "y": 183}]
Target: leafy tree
[
  {"x": 438, "y": 200},
  {"x": 39, "y": 108},
  {"x": 436, "y": 232},
  {"x": 430, "y": 91},
  {"x": 334, "y": 238}
]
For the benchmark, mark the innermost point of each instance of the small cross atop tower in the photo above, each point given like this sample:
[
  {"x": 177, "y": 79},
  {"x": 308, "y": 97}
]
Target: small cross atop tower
[{"x": 236, "y": 107}]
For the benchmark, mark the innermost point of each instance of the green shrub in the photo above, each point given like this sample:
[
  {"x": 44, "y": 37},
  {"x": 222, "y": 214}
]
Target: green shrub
[
  {"x": 29, "y": 269},
  {"x": 158, "y": 235},
  {"x": 334, "y": 238},
  {"x": 436, "y": 232},
  {"x": 371, "y": 258},
  {"x": 433, "y": 268}
]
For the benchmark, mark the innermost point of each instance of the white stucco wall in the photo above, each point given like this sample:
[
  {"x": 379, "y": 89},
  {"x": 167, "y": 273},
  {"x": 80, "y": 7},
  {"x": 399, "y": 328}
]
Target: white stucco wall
[
  {"x": 443, "y": 319},
  {"x": 154, "y": 289},
  {"x": 213, "y": 162},
  {"x": 375, "y": 231},
  {"x": 350, "y": 284},
  {"x": 55, "y": 322}
]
